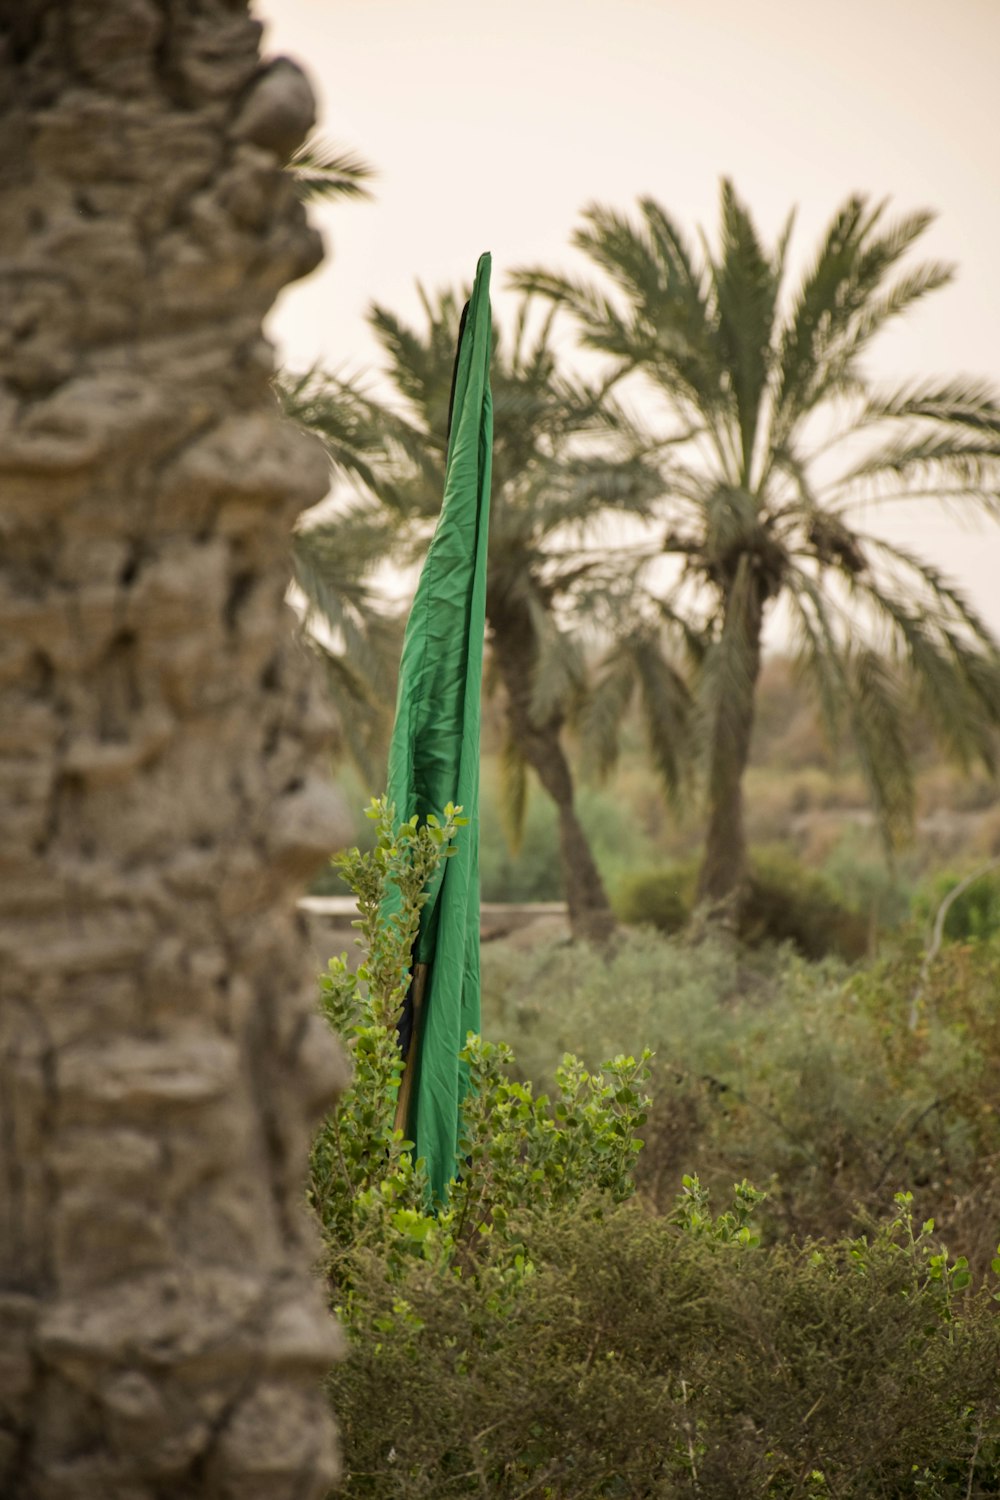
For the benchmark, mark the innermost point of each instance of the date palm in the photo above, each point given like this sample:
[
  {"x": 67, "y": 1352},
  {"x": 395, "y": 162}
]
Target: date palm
[
  {"x": 782, "y": 443},
  {"x": 335, "y": 552},
  {"x": 345, "y": 619}
]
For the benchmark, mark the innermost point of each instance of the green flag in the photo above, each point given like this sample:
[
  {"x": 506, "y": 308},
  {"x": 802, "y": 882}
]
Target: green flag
[{"x": 434, "y": 754}]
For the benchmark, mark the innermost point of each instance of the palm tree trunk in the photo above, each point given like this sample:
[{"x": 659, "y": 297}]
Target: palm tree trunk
[
  {"x": 724, "y": 873},
  {"x": 161, "y": 1063},
  {"x": 590, "y": 915}
]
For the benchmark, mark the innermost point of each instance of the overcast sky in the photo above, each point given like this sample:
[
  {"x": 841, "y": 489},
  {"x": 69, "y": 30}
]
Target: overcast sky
[{"x": 491, "y": 127}]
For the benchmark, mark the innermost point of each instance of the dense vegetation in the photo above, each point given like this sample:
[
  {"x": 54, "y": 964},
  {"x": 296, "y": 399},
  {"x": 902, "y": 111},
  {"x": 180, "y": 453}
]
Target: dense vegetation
[{"x": 598, "y": 1312}]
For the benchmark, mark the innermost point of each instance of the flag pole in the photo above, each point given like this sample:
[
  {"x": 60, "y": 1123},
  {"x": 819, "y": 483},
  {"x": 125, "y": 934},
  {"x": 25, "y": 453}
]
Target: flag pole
[{"x": 418, "y": 988}]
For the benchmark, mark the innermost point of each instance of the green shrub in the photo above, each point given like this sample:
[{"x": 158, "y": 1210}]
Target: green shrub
[
  {"x": 520, "y": 1150},
  {"x": 973, "y": 915},
  {"x": 806, "y": 1078},
  {"x": 786, "y": 903},
  {"x": 642, "y": 1356},
  {"x": 549, "y": 1334},
  {"x": 656, "y": 898},
  {"x": 790, "y": 904}
]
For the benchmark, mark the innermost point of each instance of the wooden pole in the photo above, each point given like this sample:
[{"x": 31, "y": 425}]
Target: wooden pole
[{"x": 418, "y": 987}]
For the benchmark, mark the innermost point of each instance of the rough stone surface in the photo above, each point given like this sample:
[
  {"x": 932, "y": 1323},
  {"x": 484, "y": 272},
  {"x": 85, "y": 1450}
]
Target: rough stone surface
[{"x": 160, "y": 1066}]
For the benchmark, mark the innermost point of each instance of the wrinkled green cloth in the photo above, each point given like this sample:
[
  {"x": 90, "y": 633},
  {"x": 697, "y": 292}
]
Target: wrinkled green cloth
[{"x": 434, "y": 753}]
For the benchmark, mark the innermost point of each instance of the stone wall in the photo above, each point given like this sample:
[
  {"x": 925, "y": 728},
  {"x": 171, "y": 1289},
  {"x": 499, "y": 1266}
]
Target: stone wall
[{"x": 161, "y": 1066}]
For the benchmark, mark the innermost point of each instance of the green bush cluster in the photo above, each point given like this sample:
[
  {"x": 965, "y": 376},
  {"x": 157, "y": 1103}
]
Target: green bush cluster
[
  {"x": 786, "y": 903},
  {"x": 549, "y": 1333},
  {"x": 521, "y": 1151},
  {"x": 640, "y": 1355},
  {"x": 973, "y": 915},
  {"x": 806, "y": 1078}
]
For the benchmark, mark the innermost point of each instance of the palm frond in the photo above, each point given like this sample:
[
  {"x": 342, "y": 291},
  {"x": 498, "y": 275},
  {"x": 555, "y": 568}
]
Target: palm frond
[
  {"x": 558, "y": 673},
  {"x": 363, "y": 720},
  {"x": 322, "y": 172},
  {"x": 813, "y": 312},
  {"x": 880, "y": 731},
  {"x": 340, "y": 604},
  {"x": 421, "y": 367},
  {"x": 876, "y": 312},
  {"x": 949, "y": 463},
  {"x": 858, "y": 686},
  {"x": 667, "y": 712},
  {"x": 684, "y": 317},
  {"x": 337, "y": 412},
  {"x": 955, "y": 667},
  {"x": 819, "y": 657},
  {"x": 602, "y": 326},
  {"x": 838, "y": 308},
  {"x": 746, "y": 294},
  {"x": 961, "y": 402},
  {"x": 603, "y": 716}
]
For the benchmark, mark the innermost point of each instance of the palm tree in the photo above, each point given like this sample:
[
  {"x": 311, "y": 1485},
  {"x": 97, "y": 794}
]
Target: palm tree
[
  {"x": 345, "y": 620},
  {"x": 781, "y": 442},
  {"x": 564, "y": 460},
  {"x": 335, "y": 551}
]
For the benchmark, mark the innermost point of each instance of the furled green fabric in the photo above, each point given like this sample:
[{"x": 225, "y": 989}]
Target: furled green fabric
[{"x": 434, "y": 753}]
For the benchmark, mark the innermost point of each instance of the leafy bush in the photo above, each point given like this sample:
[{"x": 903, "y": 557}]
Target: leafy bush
[
  {"x": 790, "y": 904},
  {"x": 549, "y": 1334},
  {"x": 972, "y": 916},
  {"x": 636, "y": 1355},
  {"x": 520, "y": 1150},
  {"x": 786, "y": 904},
  {"x": 656, "y": 898},
  {"x": 806, "y": 1078}
]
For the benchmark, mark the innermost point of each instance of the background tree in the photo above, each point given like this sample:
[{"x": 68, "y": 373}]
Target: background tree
[
  {"x": 780, "y": 443},
  {"x": 336, "y": 551},
  {"x": 345, "y": 620},
  {"x": 565, "y": 460}
]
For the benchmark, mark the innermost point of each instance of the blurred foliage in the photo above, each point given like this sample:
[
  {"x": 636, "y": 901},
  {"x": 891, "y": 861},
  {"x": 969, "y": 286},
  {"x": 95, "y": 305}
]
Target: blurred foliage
[
  {"x": 785, "y": 903},
  {"x": 803, "y": 1077},
  {"x": 534, "y": 873},
  {"x": 974, "y": 913}
]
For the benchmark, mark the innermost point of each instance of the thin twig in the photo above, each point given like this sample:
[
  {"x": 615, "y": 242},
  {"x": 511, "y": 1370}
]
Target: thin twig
[{"x": 972, "y": 1464}]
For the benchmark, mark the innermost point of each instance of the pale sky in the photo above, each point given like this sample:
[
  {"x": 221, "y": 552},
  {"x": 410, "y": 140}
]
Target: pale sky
[{"x": 491, "y": 127}]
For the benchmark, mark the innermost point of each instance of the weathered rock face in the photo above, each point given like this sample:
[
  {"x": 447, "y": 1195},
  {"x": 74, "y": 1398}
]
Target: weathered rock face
[{"x": 160, "y": 1066}]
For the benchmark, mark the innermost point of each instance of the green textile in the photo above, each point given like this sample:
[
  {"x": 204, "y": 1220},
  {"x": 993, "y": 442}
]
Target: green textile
[{"x": 434, "y": 753}]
